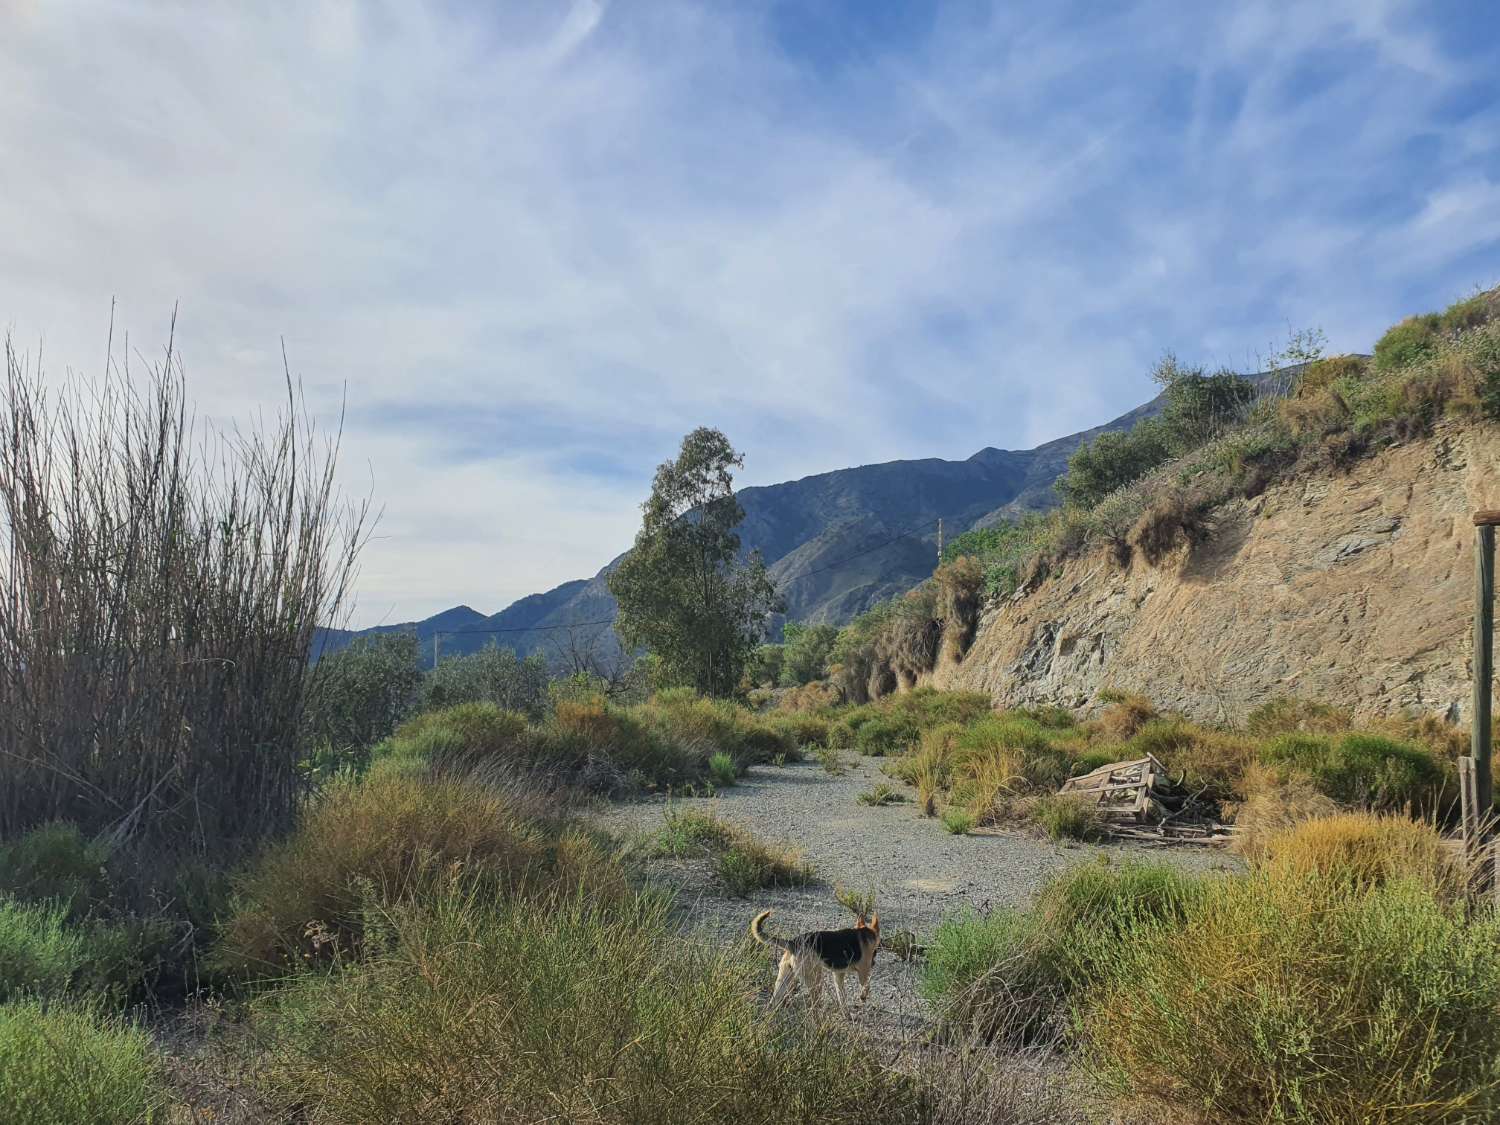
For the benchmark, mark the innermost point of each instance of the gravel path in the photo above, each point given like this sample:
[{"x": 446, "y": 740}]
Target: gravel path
[{"x": 919, "y": 872}]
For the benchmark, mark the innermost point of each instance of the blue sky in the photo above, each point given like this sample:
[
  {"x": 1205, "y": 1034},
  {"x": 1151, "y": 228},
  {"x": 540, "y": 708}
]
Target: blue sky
[{"x": 537, "y": 242}]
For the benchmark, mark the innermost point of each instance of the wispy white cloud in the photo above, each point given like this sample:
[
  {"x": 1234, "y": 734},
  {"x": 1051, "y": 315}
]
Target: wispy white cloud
[{"x": 539, "y": 242}]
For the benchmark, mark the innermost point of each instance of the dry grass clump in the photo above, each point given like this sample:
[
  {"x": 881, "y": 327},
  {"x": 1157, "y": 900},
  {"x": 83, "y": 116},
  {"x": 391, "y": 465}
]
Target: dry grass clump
[
  {"x": 1365, "y": 849},
  {"x": 1177, "y": 516},
  {"x": 960, "y": 589},
  {"x": 392, "y": 839},
  {"x": 977, "y": 766},
  {"x": 1125, "y": 714},
  {"x": 1284, "y": 715},
  {"x": 1068, "y": 818},
  {"x": 1273, "y": 805},
  {"x": 816, "y": 696}
]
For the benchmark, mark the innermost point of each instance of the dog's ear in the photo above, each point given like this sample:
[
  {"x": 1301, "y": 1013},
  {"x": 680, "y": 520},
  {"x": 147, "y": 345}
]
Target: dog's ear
[{"x": 875, "y": 921}]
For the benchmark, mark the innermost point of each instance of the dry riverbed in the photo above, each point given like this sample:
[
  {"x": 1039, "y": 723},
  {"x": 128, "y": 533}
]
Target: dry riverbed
[{"x": 919, "y": 873}]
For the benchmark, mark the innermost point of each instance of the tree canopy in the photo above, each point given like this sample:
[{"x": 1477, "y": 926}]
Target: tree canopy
[{"x": 684, "y": 592}]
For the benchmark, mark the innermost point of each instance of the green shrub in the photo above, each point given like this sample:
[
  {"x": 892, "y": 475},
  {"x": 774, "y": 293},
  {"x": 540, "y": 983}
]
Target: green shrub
[
  {"x": 1111, "y": 461},
  {"x": 57, "y": 863},
  {"x": 358, "y": 695},
  {"x": 680, "y": 717},
  {"x": 808, "y": 648},
  {"x": 43, "y": 954},
  {"x": 1091, "y": 760},
  {"x": 493, "y": 675},
  {"x": 722, "y": 770},
  {"x": 476, "y": 732},
  {"x": 1013, "y": 975},
  {"x": 1484, "y": 353},
  {"x": 1410, "y": 342},
  {"x": 887, "y": 734},
  {"x": 1049, "y": 716},
  {"x": 65, "y": 1065},
  {"x": 1365, "y": 769},
  {"x": 801, "y": 729},
  {"x": 688, "y": 832},
  {"x": 833, "y": 762},
  {"x": 763, "y": 667},
  {"x": 1284, "y": 998},
  {"x": 575, "y": 1014},
  {"x": 1471, "y": 312},
  {"x": 749, "y": 865}
]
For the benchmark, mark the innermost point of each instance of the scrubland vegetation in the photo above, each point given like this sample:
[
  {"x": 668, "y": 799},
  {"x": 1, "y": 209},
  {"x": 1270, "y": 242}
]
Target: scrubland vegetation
[{"x": 385, "y": 879}]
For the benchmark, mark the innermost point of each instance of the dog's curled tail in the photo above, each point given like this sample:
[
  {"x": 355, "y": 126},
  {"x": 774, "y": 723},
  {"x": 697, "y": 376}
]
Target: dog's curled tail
[{"x": 757, "y": 931}]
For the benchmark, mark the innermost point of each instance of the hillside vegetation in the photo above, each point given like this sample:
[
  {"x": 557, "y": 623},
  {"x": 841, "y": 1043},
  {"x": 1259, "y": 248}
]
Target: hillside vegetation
[{"x": 1153, "y": 490}]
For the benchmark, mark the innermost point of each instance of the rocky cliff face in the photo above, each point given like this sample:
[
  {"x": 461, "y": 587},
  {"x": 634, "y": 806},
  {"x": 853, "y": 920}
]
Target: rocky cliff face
[{"x": 1352, "y": 589}]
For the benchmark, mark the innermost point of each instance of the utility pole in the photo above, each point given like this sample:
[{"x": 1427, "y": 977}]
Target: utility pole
[
  {"x": 435, "y": 636},
  {"x": 1481, "y": 742},
  {"x": 940, "y": 540}
]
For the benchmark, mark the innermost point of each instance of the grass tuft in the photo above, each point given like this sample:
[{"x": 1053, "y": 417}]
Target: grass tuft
[
  {"x": 958, "y": 821},
  {"x": 741, "y": 860}
]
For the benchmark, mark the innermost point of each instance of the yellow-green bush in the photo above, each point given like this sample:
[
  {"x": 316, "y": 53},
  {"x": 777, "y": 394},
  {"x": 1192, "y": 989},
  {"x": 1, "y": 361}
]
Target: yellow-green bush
[
  {"x": 60, "y": 1064},
  {"x": 386, "y": 840},
  {"x": 1287, "y": 996},
  {"x": 573, "y": 1014}
]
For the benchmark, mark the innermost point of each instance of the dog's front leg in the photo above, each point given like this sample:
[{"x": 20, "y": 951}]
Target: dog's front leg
[{"x": 838, "y": 987}]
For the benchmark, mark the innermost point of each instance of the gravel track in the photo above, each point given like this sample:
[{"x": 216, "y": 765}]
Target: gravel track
[{"x": 919, "y": 872}]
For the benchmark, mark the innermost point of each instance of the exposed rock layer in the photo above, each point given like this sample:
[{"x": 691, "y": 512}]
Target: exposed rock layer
[{"x": 1354, "y": 589}]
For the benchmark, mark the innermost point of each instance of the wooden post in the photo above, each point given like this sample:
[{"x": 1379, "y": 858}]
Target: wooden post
[
  {"x": 1484, "y": 661},
  {"x": 435, "y": 635},
  {"x": 1467, "y": 820}
]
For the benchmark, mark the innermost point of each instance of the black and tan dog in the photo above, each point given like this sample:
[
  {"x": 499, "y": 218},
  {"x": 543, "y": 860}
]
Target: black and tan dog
[{"x": 807, "y": 956}]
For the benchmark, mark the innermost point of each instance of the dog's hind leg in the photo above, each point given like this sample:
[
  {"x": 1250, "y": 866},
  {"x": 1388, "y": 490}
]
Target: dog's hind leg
[
  {"x": 785, "y": 979},
  {"x": 812, "y": 980}
]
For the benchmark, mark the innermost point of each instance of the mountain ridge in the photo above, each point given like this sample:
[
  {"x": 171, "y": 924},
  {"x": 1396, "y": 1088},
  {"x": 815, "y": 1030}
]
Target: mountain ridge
[{"x": 836, "y": 543}]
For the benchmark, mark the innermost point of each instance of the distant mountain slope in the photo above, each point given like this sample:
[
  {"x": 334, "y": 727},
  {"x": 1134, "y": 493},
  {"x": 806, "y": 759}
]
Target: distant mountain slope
[{"x": 835, "y": 543}]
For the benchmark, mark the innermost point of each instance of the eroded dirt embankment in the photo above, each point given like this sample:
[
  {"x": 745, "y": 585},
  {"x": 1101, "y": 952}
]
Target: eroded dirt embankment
[{"x": 1355, "y": 589}]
